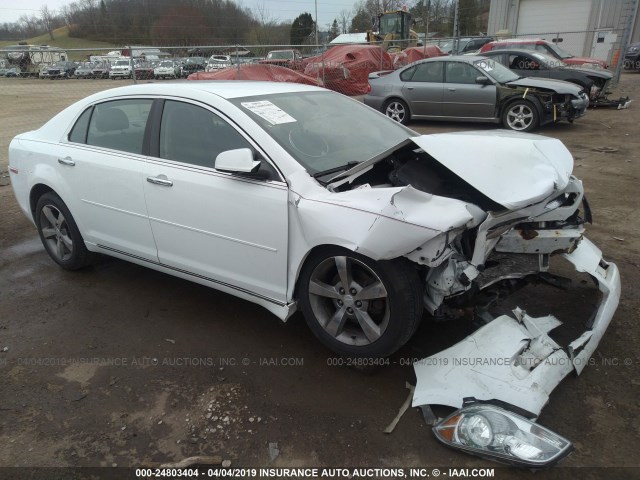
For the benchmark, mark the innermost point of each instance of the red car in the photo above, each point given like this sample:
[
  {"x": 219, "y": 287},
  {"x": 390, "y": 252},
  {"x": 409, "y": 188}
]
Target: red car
[
  {"x": 283, "y": 58},
  {"x": 543, "y": 46},
  {"x": 144, "y": 71}
]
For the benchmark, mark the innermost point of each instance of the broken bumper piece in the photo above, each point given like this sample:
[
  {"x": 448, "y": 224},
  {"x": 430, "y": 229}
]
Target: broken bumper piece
[{"x": 513, "y": 359}]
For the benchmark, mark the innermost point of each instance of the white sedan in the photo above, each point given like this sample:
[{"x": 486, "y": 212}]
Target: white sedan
[{"x": 292, "y": 196}]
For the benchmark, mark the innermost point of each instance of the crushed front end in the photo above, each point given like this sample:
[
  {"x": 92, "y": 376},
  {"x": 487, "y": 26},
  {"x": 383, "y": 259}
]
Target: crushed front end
[
  {"x": 565, "y": 107},
  {"x": 516, "y": 363}
]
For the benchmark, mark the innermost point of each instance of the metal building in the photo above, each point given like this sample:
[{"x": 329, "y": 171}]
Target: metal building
[{"x": 591, "y": 28}]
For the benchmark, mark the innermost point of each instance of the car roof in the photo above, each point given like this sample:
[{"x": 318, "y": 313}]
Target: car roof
[
  {"x": 224, "y": 89},
  {"x": 521, "y": 40},
  {"x": 459, "y": 58},
  {"x": 491, "y": 53}
]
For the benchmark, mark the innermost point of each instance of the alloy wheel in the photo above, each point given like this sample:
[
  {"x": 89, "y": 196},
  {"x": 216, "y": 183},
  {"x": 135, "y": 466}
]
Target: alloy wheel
[
  {"x": 56, "y": 233},
  {"x": 349, "y": 300}
]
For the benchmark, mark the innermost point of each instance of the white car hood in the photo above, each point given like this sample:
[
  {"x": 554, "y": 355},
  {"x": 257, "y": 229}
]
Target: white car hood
[{"x": 512, "y": 169}]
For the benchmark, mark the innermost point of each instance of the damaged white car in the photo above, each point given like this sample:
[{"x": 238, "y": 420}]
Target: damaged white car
[{"x": 293, "y": 196}]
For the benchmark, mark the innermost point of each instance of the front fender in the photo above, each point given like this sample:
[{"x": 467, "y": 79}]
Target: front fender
[{"x": 380, "y": 223}]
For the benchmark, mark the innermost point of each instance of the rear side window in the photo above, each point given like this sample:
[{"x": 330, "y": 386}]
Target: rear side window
[
  {"x": 428, "y": 72},
  {"x": 407, "y": 74},
  {"x": 119, "y": 125},
  {"x": 79, "y": 131}
]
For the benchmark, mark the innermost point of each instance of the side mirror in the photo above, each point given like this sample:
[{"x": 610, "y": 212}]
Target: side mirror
[
  {"x": 482, "y": 80},
  {"x": 239, "y": 160}
]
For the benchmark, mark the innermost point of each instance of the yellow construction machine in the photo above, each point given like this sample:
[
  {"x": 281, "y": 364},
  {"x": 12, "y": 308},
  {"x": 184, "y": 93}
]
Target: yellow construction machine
[{"x": 394, "y": 31}]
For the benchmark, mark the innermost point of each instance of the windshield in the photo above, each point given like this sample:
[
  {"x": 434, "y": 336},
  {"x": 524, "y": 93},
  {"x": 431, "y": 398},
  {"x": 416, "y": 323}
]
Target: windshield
[
  {"x": 390, "y": 23},
  {"x": 496, "y": 71},
  {"x": 166, "y": 64},
  {"x": 281, "y": 55},
  {"x": 323, "y": 130},
  {"x": 560, "y": 52},
  {"x": 122, "y": 62}
]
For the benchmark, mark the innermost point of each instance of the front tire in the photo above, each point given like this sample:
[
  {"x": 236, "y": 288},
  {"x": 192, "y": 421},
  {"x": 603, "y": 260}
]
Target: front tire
[
  {"x": 59, "y": 233},
  {"x": 359, "y": 307},
  {"x": 521, "y": 116},
  {"x": 397, "y": 110}
]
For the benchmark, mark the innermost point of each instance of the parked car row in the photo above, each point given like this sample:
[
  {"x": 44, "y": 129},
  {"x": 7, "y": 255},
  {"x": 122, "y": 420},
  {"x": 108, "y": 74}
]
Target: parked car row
[{"x": 9, "y": 72}]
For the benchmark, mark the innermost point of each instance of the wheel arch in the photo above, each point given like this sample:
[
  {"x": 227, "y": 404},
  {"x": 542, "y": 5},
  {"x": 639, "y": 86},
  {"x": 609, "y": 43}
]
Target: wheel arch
[
  {"x": 310, "y": 253},
  {"x": 533, "y": 99},
  {"x": 318, "y": 249},
  {"x": 35, "y": 193},
  {"x": 393, "y": 97}
]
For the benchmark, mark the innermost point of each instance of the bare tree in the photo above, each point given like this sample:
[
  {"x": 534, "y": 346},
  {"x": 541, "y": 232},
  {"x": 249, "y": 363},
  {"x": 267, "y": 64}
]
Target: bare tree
[
  {"x": 46, "y": 17},
  {"x": 90, "y": 7},
  {"x": 374, "y": 7},
  {"x": 343, "y": 20},
  {"x": 29, "y": 24}
]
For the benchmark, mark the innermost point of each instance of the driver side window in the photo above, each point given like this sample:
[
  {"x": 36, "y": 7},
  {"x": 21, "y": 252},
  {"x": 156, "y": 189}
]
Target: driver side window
[
  {"x": 463, "y": 73},
  {"x": 522, "y": 62},
  {"x": 191, "y": 134}
]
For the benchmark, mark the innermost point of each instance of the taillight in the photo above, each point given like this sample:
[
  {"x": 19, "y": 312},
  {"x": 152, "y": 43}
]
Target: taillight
[{"x": 368, "y": 88}]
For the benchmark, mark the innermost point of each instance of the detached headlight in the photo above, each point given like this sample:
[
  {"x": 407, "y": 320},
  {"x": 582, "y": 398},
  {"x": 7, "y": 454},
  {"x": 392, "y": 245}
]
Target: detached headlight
[{"x": 495, "y": 433}]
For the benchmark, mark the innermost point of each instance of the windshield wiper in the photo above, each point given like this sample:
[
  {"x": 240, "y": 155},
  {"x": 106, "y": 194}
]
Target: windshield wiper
[{"x": 347, "y": 166}]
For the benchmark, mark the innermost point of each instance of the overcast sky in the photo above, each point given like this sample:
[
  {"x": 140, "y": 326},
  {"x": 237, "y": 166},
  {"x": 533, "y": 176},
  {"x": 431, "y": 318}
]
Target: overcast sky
[{"x": 11, "y": 10}]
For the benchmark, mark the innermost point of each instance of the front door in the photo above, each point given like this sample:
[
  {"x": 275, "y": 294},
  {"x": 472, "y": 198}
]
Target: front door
[
  {"x": 229, "y": 229},
  {"x": 463, "y": 97}
]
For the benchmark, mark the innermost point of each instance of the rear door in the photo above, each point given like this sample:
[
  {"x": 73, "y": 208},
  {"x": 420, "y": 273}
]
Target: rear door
[
  {"x": 422, "y": 88},
  {"x": 463, "y": 97},
  {"x": 102, "y": 163}
]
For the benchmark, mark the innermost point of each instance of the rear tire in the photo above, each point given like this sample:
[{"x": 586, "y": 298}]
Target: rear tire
[
  {"x": 59, "y": 233},
  {"x": 397, "y": 110},
  {"x": 373, "y": 316}
]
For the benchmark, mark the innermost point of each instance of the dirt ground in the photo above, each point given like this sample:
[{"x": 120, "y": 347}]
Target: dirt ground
[{"x": 121, "y": 365}]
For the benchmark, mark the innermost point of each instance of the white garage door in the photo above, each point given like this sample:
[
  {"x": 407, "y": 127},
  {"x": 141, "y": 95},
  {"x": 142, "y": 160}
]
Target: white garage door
[{"x": 553, "y": 16}]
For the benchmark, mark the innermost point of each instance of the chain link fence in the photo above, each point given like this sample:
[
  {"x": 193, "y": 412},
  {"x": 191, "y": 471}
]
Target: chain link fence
[{"x": 37, "y": 83}]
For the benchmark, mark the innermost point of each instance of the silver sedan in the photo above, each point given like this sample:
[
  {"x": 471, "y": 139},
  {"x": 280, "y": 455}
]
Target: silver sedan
[{"x": 472, "y": 88}]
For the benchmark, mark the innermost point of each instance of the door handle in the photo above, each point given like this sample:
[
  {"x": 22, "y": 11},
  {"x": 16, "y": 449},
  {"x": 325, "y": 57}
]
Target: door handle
[
  {"x": 451, "y": 89},
  {"x": 160, "y": 180},
  {"x": 409, "y": 88},
  {"x": 66, "y": 161}
]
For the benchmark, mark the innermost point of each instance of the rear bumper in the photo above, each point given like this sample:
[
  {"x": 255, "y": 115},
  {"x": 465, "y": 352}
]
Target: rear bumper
[{"x": 373, "y": 102}]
